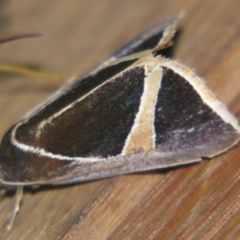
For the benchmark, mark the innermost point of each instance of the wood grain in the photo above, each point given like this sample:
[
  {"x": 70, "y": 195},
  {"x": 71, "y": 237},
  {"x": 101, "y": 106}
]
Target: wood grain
[{"x": 201, "y": 201}]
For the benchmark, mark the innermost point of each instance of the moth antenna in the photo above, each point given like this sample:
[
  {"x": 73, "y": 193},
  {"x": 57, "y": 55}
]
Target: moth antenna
[
  {"x": 19, "y": 36},
  {"x": 54, "y": 78},
  {"x": 26, "y": 71},
  {"x": 17, "y": 202}
]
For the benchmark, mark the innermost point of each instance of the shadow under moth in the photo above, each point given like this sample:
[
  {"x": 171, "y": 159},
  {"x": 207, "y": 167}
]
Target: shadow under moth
[{"x": 136, "y": 111}]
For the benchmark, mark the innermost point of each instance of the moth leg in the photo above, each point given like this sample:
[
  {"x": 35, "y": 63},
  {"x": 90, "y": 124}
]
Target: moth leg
[
  {"x": 2, "y": 192},
  {"x": 17, "y": 202}
]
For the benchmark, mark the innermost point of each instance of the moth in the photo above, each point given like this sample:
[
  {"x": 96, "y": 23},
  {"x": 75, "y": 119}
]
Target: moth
[{"x": 136, "y": 111}]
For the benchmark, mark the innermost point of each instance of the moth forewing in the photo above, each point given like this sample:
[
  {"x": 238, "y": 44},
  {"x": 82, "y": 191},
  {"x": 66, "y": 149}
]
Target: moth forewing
[
  {"x": 202, "y": 131},
  {"x": 136, "y": 111}
]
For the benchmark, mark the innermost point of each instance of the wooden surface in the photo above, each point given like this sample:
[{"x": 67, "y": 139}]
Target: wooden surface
[{"x": 201, "y": 201}]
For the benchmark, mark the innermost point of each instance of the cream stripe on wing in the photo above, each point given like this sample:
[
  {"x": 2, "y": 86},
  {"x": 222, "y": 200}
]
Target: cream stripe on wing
[{"x": 142, "y": 135}]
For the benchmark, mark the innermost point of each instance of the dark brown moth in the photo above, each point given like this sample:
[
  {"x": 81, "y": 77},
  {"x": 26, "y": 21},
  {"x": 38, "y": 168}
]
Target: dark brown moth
[{"x": 136, "y": 111}]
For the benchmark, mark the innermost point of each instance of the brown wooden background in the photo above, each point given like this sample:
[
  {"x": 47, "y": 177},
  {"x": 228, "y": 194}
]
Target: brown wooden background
[{"x": 201, "y": 201}]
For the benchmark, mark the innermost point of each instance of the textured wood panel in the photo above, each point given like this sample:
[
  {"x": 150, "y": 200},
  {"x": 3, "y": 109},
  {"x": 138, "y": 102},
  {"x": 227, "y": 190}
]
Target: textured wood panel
[{"x": 201, "y": 201}]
